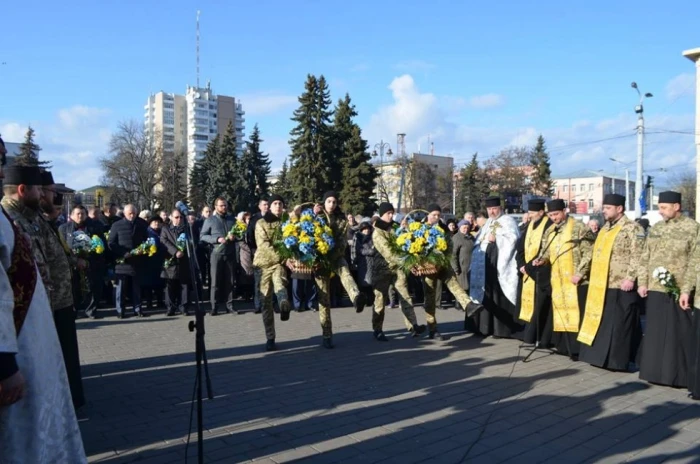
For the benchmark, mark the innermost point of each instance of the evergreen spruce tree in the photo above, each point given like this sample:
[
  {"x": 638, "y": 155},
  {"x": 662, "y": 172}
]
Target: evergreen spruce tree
[
  {"x": 343, "y": 126},
  {"x": 311, "y": 143},
  {"x": 359, "y": 176},
  {"x": 542, "y": 176},
  {"x": 283, "y": 185},
  {"x": 199, "y": 179},
  {"x": 472, "y": 188},
  {"x": 209, "y": 175},
  {"x": 29, "y": 152},
  {"x": 254, "y": 167},
  {"x": 228, "y": 179}
]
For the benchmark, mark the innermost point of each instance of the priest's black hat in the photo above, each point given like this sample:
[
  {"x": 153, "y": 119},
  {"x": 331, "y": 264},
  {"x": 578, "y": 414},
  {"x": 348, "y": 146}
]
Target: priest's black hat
[
  {"x": 664, "y": 197},
  {"x": 556, "y": 205},
  {"x": 46, "y": 178},
  {"x": 535, "y": 205},
  {"x": 22, "y": 175},
  {"x": 491, "y": 202},
  {"x": 614, "y": 199},
  {"x": 433, "y": 207},
  {"x": 385, "y": 207},
  {"x": 275, "y": 197}
]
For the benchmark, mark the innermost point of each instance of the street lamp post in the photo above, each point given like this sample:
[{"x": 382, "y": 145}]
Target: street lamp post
[
  {"x": 694, "y": 56},
  {"x": 627, "y": 182},
  {"x": 381, "y": 146},
  {"x": 639, "y": 109}
]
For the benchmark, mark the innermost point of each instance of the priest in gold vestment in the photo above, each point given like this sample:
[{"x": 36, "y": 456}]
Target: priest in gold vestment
[
  {"x": 567, "y": 248},
  {"x": 611, "y": 331}
]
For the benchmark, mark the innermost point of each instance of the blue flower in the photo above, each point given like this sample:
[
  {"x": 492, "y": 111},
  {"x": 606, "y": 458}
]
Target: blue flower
[
  {"x": 308, "y": 227},
  {"x": 307, "y": 249},
  {"x": 289, "y": 242}
]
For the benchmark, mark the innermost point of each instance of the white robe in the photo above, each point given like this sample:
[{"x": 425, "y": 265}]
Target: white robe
[
  {"x": 506, "y": 238},
  {"x": 41, "y": 427}
]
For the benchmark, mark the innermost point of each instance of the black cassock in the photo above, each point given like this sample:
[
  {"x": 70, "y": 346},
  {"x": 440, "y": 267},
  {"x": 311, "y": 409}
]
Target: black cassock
[
  {"x": 694, "y": 368},
  {"x": 619, "y": 333},
  {"x": 539, "y": 329},
  {"x": 500, "y": 315},
  {"x": 666, "y": 351}
]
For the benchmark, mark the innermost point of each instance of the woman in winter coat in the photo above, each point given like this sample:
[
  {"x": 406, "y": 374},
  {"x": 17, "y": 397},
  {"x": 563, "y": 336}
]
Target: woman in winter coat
[
  {"x": 364, "y": 253},
  {"x": 462, "y": 248},
  {"x": 151, "y": 283}
]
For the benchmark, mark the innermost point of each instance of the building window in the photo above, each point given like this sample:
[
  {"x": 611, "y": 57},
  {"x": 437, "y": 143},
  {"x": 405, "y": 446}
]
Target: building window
[
  {"x": 590, "y": 203},
  {"x": 212, "y": 107},
  {"x": 565, "y": 188},
  {"x": 573, "y": 188},
  {"x": 201, "y": 137},
  {"x": 170, "y": 106},
  {"x": 591, "y": 187},
  {"x": 583, "y": 187},
  {"x": 167, "y": 120}
]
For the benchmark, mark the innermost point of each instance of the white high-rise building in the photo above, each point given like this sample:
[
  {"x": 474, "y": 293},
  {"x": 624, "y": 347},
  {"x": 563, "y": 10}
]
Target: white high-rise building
[{"x": 191, "y": 121}]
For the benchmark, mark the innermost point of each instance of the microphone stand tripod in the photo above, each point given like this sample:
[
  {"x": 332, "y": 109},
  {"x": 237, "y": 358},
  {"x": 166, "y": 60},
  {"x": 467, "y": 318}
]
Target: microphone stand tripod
[{"x": 200, "y": 349}]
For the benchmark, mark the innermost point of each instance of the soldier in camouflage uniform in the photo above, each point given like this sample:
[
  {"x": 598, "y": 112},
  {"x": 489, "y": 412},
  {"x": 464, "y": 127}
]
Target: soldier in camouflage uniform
[
  {"x": 671, "y": 243},
  {"x": 273, "y": 275},
  {"x": 611, "y": 330},
  {"x": 449, "y": 280},
  {"x": 393, "y": 275},
  {"x": 25, "y": 189}
]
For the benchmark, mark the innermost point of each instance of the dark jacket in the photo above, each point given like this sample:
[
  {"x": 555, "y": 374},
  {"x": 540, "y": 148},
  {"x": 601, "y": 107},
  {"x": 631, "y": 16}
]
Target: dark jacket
[
  {"x": 462, "y": 248},
  {"x": 124, "y": 236},
  {"x": 215, "y": 227},
  {"x": 250, "y": 233},
  {"x": 91, "y": 227},
  {"x": 153, "y": 265},
  {"x": 246, "y": 257},
  {"x": 365, "y": 254},
  {"x": 180, "y": 267}
]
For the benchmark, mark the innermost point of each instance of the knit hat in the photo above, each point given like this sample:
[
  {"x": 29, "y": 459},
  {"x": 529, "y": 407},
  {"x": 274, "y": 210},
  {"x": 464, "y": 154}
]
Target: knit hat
[{"x": 385, "y": 208}]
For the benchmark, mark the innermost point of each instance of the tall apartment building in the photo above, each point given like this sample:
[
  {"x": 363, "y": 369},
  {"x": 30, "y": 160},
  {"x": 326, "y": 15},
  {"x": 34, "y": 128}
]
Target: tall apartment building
[{"x": 191, "y": 121}]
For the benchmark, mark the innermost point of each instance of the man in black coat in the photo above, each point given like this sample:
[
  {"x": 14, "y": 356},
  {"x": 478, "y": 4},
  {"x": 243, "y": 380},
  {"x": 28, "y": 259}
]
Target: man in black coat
[
  {"x": 89, "y": 300},
  {"x": 215, "y": 232},
  {"x": 125, "y": 235},
  {"x": 177, "y": 274}
]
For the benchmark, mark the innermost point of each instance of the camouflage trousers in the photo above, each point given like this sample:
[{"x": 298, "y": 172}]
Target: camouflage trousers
[
  {"x": 272, "y": 279},
  {"x": 323, "y": 287},
  {"x": 381, "y": 300},
  {"x": 430, "y": 287},
  {"x": 258, "y": 298},
  {"x": 343, "y": 271}
]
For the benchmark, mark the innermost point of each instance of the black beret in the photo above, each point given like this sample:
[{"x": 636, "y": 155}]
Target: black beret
[
  {"x": 22, "y": 175},
  {"x": 47, "y": 178}
]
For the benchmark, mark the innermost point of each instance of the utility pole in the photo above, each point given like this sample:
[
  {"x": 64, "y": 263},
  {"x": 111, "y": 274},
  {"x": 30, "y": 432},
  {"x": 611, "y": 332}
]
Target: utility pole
[
  {"x": 694, "y": 56},
  {"x": 627, "y": 189},
  {"x": 639, "y": 182},
  {"x": 383, "y": 196},
  {"x": 401, "y": 148}
]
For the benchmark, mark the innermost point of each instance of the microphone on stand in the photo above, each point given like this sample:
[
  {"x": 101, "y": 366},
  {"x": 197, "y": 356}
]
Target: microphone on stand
[{"x": 182, "y": 207}]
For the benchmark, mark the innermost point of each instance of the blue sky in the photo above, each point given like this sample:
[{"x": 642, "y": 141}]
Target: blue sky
[{"x": 472, "y": 77}]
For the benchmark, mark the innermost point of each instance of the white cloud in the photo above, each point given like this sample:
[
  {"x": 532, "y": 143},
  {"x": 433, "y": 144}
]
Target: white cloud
[
  {"x": 490, "y": 100},
  {"x": 682, "y": 84},
  {"x": 73, "y": 141},
  {"x": 583, "y": 144},
  {"x": 259, "y": 104}
]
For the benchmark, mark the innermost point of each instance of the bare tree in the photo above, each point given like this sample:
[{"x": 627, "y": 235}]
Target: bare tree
[
  {"x": 429, "y": 185},
  {"x": 685, "y": 184},
  {"x": 132, "y": 167},
  {"x": 173, "y": 179},
  {"x": 510, "y": 170}
]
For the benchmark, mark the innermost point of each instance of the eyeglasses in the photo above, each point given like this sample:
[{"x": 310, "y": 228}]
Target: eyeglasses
[{"x": 177, "y": 217}]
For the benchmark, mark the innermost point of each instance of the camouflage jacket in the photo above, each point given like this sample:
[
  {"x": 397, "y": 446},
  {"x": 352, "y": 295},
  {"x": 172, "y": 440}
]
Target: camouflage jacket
[
  {"x": 265, "y": 255},
  {"x": 626, "y": 252},
  {"x": 339, "y": 225},
  {"x": 59, "y": 267},
  {"x": 671, "y": 245},
  {"x": 381, "y": 237},
  {"x": 581, "y": 245},
  {"x": 27, "y": 220}
]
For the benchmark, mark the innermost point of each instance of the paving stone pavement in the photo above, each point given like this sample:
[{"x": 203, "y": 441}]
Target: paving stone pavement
[{"x": 466, "y": 399}]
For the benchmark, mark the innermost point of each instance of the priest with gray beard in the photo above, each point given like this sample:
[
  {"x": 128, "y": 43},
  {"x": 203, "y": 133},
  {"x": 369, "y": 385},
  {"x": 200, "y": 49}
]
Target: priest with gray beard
[{"x": 494, "y": 274}]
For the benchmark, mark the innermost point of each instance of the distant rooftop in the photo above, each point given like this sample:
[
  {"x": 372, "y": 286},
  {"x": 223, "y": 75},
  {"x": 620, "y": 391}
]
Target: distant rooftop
[{"x": 589, "y": 173}]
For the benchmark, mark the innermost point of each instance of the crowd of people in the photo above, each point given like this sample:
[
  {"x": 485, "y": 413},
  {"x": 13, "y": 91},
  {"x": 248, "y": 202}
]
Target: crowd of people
[{"x": 550, "y": 281}]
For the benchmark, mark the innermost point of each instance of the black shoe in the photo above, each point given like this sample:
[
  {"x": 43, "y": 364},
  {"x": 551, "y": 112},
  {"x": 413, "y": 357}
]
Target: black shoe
[
  {"x": 258, "y": 311},
  {"x": 215, "y": 312},
  {"x": 230, "y": 311},
  {"x": 379, "y": 335},
  {"x": 328, "y": 343},
  {"x": 473, "y": 309},
  {"x": 360, "y": 302},
  {"x": 285, "y": 309},
  {"x": 417, "y": 330},
  {"x": 270, "y": 345},
  {"x": 93, "y": 314},
  {"x": 170, "y": 314},
  {"x": 120, "y": 315},
  {"x": 435, "y": 335},
  {"x": 141, "y": 314}
]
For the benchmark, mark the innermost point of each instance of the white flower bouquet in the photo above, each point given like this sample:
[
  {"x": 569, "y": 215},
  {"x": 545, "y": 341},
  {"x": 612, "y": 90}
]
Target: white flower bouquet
[{"x": 665, "y": 278}]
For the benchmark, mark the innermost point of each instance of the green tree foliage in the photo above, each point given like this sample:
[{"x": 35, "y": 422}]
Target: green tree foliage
[
  {"x": 254, "y": 167},
  {"x": 29, "y": 152},
  {"x": 472, "y": 187},
  {"x": 283, "y": 186},
  {"x": 173, "y": 186},
  {"x": 542, "y": 175}
]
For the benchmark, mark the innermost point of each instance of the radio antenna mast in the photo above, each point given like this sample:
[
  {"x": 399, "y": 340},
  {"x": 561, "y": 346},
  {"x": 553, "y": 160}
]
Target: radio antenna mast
[{"x": 197, "y": 48}]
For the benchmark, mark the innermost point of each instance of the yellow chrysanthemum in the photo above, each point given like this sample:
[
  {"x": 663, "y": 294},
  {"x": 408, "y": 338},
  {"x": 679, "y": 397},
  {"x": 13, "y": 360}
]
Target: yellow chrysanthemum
[
  {"x": 322, "y": 247},
  {"x": 99, "y": 250},
  {"x": 152, "y": 250},
  {"x": 441, "y": 244},
  {"x": 289, "y": 230},
  {"x": 304, "y": 238},
  {"x": 305, "y": 217},
  {"x": 328, "y": 230},
  {"x": 403, "y": 238},
  {"x": 414, "y": 226}
]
